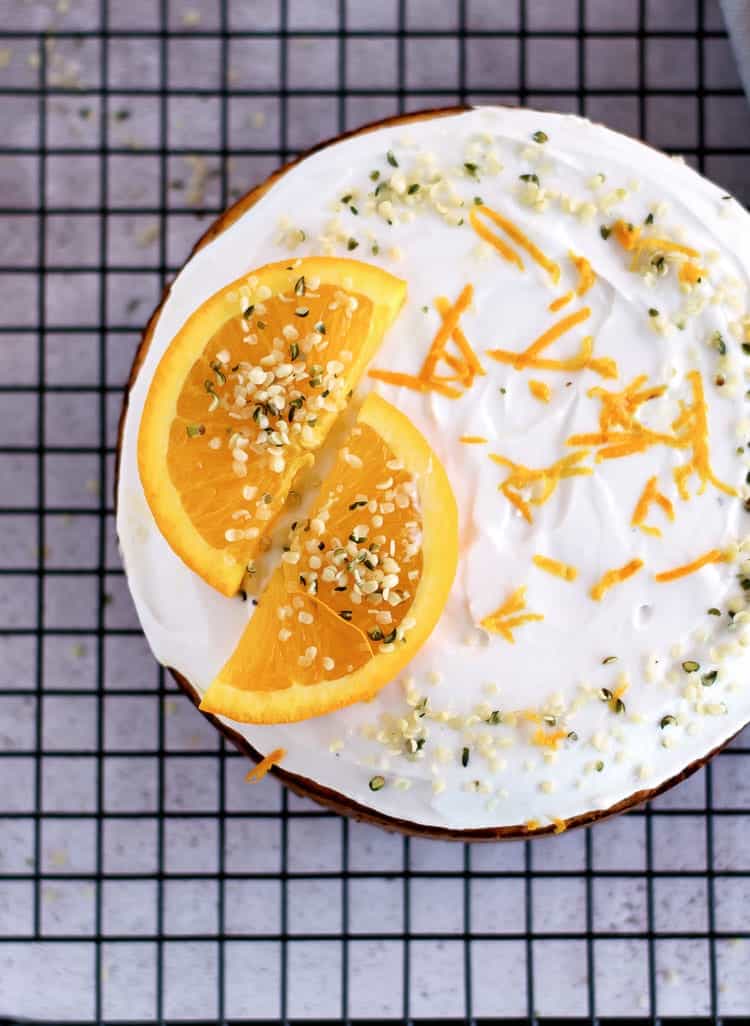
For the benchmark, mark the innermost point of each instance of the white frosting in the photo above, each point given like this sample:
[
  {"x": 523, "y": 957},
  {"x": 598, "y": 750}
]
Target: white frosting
[{"x": 585, "y": 523}]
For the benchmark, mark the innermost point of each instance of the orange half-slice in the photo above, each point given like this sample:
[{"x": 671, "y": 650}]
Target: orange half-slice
[
  {"x": 361, "y": 586},
  {"x": 246, "y": 391}
]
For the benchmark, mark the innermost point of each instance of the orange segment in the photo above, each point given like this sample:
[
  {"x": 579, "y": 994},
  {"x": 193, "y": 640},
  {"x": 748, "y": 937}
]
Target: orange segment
[
  {"x": 361, "y": 585},
  {"x": 248, "y": 388}
]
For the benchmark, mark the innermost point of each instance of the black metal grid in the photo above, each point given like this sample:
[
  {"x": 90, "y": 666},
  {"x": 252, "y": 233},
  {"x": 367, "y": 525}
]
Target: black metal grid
[{"x": 110, "y": 824}]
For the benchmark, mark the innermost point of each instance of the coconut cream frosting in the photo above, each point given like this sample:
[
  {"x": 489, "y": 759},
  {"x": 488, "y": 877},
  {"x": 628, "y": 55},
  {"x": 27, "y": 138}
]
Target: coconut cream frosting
[{"x": 595, "y": 641}]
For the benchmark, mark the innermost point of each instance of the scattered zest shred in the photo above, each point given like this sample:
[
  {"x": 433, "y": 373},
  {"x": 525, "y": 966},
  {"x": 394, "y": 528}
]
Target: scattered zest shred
[
  {"x": 714, "y": 556},
  {"x": 546, "y": 739},
  {"x": 472, "y": 439},
  {"x": 510, "y": 615},
  {"x": 560, "y": 302},
  {"x": 521, "y": 478},
  {"x": 626, "y": 234},
  {"x": 693, "y": 421},
  {"x": 532, "y": 824},
  {"x": 560, "y": 825},
  {"x": 511, "y": 229},
  {"x": 465, "y": 367},
  {"x": 540, "y": 390},
  {"x": 583, "y": 359},
  {"x": 586, "y": 276},
  {"x": 666, "y": 246},
  {"x": 506, "y": 252},
  {"x": 690, "y": 273},
  {"x": 257, "y": 773},
  {"x": 555, "y": 567},
  {"x": 619, "y": 408},
  {"x": 612, "y": 577},
  {"x": 649, "y": 495}
]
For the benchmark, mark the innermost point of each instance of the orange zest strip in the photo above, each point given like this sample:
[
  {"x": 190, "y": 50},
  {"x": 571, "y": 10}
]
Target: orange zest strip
[
  {"x": 446, "y": 329},
  {"x": 560, "y": 825},
  {"x": 548, "y": 740},
  {"x": 619, "y": 408},
  {"x": 612, "y": 577},
  {"x": 690, "y": 273},
  {"x": 666, "y": 246},
  {"x": 540, "y": 390},
  {"x": 521, "y": 478},
  {"x": 714, "y": 556},
  {"x": 558, "y": 329},
  {"x": 443, "y": 307},
  {"x": 508, "y": 616},
  {"x": 560, "y": 302},
  {"x": 586, "y": 276},
  {"x": 583, "y": 360},
  {"x": 413, "y": 382},
  {"x": 472, "y": 439},
  {"x": 555, "y": 567},
  {"x": 626, "y": 234},
  {"x": 257, "y": 773},
  {"x": 505, "y": 251},
  {"x": 649, "y": 495},
  {"x": 694, "y": 419},
  {"x": 511, "y": 229}
]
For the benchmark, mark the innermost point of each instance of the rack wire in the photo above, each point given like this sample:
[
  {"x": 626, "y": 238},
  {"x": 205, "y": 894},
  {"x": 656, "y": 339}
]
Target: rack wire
[{"x": 140, "y": 880}]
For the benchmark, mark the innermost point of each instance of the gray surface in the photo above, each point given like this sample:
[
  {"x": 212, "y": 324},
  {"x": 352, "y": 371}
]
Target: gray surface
[{"x": 42, "y": 977}]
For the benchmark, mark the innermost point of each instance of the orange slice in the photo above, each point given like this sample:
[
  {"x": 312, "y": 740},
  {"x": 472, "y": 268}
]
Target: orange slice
[
  {"x": 246, "y": 391},
  {"x": 360, "y": 587}
]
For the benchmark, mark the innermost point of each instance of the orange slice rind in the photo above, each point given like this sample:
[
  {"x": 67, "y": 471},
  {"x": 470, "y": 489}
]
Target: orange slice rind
[
  {"x": 362, "y": 584},
  {"x": 246, "y": 392}
]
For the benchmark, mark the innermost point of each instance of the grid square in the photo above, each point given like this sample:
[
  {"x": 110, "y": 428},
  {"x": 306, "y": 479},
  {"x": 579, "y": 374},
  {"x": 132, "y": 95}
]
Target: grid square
[
  {"x": 732, "y": 968},
  {"x": 565, "y": 963},
  {"x": 185, "y": 729},
  {"x": 17, "y": 480},
  {"x": 74, "y": 122},
  {"x": 252, "y": 978},
  {"x": 71, "y": 419},
  {"x": 679, "y": 842},
  {"x": 130, "y": 298},
  {"x": 190, "y": 784},
  {"x": 133, "y": 59},
  {"x": 313, "y": 63},
  {"x": 612, "y": 14},
  {"x": 131, "y": 724},
  {"x": 371, "y": 63},
  {"x": 70, "y": 602},
  {"x": 119, "y": 610},
  {"x": 71, "y": 480},
  {"x": 488, "y": 14},
  {"x": 683, "y": 964},
  {"x": 498, "y": 905},
  {"x": 558, "y": 905},
  {"x": 26, "y": 988},
  {"x": 373, "y": 850},
  {"x": 381, "y": 16},
  {"x": 18, "y": 542},
  {"x": 17, "y": 662},
  {"x": 128, "y": 663},
  {"x": 376, "y": 905},
  {"x": 619, "y": 904},
  {"x": 430, "y": 856},
  {"x": 18, "y": 183},
  {"x": 314, "y": 906},
  {"x": 314, "y": 845},
  {"x": 69, "y": 724},
  {"x": 498, "y": 978},
  {"x": 132, "y": 181},
  {"x": 720, "y": 68},
  {"x": 16, "y": 908},
  {"x": 19, "y": 121},
  {"x": 17, "y": 850},
  {"x": 18, "y": 601},
  {"x": 680, "y": 905},
  {"x": 130, "y": 785},
  {"x": 671, "y": 63},
  {"x": 727, "y": 120},
  {"x": 672, "y": 121},
  {"x": 190, "y": 845},
  {"x": 432, "y": 63},
  {"x": 253, "y": 122},
  {"x": 552, "y": 63},
  {"x": 314, "y": 979},
  {"x": 69, "y": 784},
  {"x": 17, "y": 419},
  {"x": 194, "y": 63},
  {"x": 190, "y": 979},
  {"x": 190, "y": 906},
  {"x": 313, "y": 14},
  {"x": 436, "y": 905},
  {"x": 68, "y": 907},
  {"x": 133, "y": 240},
  {"x": 492, "y": 63},
  {"x": 311, "y": 118},
  {"x": 622, "y": 983},
  {"x": 129, "y": 845},
  {"x": 732, "y": 903},
  {"x": 20, "y": 249},
  {"x": 129, "y": 907},
  {"x": 360, "y": 110},
  {"x": 670, "y": 14},
  {"x": 19, "y": 798},
  {"x": 566, "y": 852},
  {"x": 69, "y": 662},
  {"x": 68, "y": 542},
  {"x": 423, "y": 14},
  {"x": 241, "y": 798},
  {"x": 133, "y": 123},
  {"x": 252, "y": 907},
  {"x": 71, "y": 359},
  {"x": 68, "y": 846},
  {"x": 71, "y": 299},
  {"x": 18, "y": 300},
  {"x": 611, "y": 63},
  {"x": 120, "y": 350},
  {"x": 552, "y": 14},
  {"x": 376, "y": 979},
  {"x": 72, "y": 183},
  {"x": 436, "y": 983},
  {"x": 129, "y": 980},
  {"x": 19, "y": 356},
  {"x": 254, "y": 63},
  {"x": 197, "y": 15}
]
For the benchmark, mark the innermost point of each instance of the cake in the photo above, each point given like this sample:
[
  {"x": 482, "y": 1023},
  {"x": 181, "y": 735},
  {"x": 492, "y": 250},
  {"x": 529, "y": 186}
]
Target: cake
[{"x": 556, "y": 356}]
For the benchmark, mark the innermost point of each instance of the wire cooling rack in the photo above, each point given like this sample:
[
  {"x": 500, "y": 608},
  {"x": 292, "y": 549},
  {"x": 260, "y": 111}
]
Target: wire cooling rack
[{"x": 140, "y": 879}]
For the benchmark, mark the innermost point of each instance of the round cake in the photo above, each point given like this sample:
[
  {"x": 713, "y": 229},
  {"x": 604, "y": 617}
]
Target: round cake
[{"x": 543, "y": 393}]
